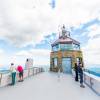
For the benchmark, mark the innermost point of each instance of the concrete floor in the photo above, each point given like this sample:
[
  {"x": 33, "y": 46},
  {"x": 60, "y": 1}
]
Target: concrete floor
[{"x": 47, "y": 86}]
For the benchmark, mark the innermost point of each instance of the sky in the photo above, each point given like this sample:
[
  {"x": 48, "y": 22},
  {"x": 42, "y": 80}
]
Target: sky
[{"x": 28, "y": 27}]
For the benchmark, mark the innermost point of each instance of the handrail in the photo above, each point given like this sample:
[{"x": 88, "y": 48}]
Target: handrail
[
  {"x": 5, "y": 78},
  {"x": 93, "y": 82},
  {"x": 0, "y": 77}
]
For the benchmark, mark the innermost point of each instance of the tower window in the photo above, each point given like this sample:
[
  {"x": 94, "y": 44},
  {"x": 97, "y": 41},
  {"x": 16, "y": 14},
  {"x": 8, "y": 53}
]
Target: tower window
[
  {"x": 55, "y": 48},
  {"x": 66, "y": 46}
]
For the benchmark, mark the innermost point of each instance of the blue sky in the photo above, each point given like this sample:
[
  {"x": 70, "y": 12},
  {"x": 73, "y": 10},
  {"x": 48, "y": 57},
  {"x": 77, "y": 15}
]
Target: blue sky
[{"x": 27, "y": 29}]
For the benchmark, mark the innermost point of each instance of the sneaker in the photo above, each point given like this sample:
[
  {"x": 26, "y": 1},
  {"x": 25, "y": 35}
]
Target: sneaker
[
  {"x": 76, "y": 80},
  {"x": 82, "y": 86},
  {"x": 22, "y": 80},
  {"x": 19, "y": 81},
  {"x": 11, "y": 84}
]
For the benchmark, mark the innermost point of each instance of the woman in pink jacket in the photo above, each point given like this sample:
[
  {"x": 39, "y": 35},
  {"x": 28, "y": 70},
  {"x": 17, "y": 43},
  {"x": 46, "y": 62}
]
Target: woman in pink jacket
[{"x": 20, "y": 70}]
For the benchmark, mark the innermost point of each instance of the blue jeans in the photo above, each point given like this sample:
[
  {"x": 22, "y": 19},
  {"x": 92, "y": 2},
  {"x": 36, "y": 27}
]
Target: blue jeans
[
  {"x": 80, "y": 74},
  {"x": 13, "y": 77},
  {"x": 81, "y": 78}
]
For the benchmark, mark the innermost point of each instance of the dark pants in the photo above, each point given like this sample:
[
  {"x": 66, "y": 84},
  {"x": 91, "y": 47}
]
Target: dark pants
[
  {"x": 76, "y": 75},
  {"x": 81, "y": 78},
  {"x": 13, "y": 78},
  {"x": 21, "y": 74}
]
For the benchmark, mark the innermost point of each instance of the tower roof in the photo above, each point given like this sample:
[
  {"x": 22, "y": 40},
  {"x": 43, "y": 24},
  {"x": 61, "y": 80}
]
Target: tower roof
[{"x": 65, "y": 38}]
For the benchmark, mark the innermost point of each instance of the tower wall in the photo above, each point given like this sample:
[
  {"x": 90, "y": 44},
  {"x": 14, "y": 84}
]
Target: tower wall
[{"x": 63, "y": 54}]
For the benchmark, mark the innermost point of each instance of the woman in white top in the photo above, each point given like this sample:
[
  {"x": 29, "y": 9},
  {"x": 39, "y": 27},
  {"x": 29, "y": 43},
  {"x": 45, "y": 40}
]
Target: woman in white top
[{"x": 13, "y": 73}]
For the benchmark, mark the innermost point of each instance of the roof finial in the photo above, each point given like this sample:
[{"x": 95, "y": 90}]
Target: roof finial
[{"x": 65, "y": 33}]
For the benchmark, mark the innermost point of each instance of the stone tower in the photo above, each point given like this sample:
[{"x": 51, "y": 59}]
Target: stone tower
[{"x": 65, "y": 53}]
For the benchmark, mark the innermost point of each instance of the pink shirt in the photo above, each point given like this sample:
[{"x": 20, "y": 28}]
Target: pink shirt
[{"x": 20, "y": 68}]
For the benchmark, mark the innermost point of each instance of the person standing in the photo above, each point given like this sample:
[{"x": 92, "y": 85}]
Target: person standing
[
  {"x": 13, "y": 73},
  {"x": 76, "y": 72},
  {"x": 58, "y": 73},
  {"x": 80, "y": 70},
  {"x": 20, "y": 70}
]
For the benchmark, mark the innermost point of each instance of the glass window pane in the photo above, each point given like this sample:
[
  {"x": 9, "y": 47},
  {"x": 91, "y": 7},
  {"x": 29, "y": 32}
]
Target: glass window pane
[
  {"x": 76, "y": 47},
  {"x": 66, "y": 46},
  {"x": 56, "y": 47},
  {"x": 55, "y": 62}
]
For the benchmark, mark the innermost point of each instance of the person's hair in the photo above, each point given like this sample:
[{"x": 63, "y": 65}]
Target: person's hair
[
  {"x": 27, "y": 60},
  {"x": 12, "y": 63},
  {"x": 75, "y": 64},
  {"x": 81, "y": 64}
]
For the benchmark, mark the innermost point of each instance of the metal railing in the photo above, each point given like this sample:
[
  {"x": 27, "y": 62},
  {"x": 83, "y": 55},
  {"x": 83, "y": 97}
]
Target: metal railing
[
  {"x": 5, "y": 78},
  {"x": 93, "y": 82}
]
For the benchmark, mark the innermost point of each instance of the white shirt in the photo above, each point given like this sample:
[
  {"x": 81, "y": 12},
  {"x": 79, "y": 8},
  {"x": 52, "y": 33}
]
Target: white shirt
[{"x": 12, "y": 68}]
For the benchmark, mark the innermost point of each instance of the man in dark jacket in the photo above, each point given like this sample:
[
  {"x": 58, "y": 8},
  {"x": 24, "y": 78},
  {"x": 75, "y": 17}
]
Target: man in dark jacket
[{"x": 80, "y": 70}]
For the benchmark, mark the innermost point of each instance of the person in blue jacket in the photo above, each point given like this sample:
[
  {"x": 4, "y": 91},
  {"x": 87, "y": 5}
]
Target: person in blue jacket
[{"x": 80, "y": 71}]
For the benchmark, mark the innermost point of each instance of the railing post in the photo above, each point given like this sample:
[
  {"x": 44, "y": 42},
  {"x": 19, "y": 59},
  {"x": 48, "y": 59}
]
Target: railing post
[
  {"x": 28, "y": 72},
  {"x": 0, "y": 78},
  {"x": 91, "y": 83},
  {"x": 36, "y": 70},
  {"x": 33, "y": 71}
]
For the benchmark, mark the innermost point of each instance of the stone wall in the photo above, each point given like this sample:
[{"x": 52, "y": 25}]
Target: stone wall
[{"x": 60, "y": 54}]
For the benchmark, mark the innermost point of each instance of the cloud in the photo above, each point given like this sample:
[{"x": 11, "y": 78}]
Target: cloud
[
  {"x": 23, "y": 53},
  {"x": 25, "y": 22},
  {"x": 1, "y": 51},
  {"x": 40, "y": 56},
  {"x": 92, "y": 49},
  {"x": 34, "y": 52},
  {"x": 2, "y": 57},
  {"x": 94, "y": 30}
]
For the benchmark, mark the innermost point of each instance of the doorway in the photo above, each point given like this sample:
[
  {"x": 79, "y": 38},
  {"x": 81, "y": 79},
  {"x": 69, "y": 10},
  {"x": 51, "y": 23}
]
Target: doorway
[{"x": 67, "y": 65}]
